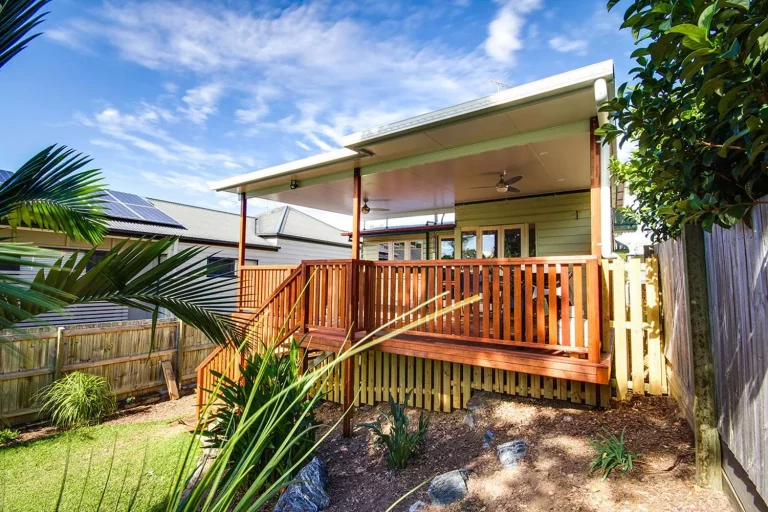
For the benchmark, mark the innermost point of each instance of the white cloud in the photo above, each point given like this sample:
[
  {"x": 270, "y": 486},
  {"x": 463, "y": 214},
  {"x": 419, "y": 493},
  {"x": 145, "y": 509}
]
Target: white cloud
[
  {"x": 303, "y": 146},
  {"x": 505, "y": 31},
  {"x": 201, "y": 102},
  {"x": 564, "y": 45},
  {"x": 108, "y": 144}
]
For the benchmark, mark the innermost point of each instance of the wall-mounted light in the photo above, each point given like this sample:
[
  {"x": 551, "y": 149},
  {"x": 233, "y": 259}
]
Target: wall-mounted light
[{"x": 294, "y": 184}]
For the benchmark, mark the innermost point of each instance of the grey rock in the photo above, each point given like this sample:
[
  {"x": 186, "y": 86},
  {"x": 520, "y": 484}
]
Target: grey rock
[
  {"x": 417, "y": 506},
  {"x": 511, "y": 453},
  {"x": 476, "y": 401},
  {"x": 310, "y": 492},
  {"x": 469, "y": 420},
  {"x": 449, "y": 487},
  {"x": 488, "y": 438}
]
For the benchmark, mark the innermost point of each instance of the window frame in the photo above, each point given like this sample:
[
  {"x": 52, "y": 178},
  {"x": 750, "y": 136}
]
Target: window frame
[
  {"x": 499, "y": 228},
  {"x": 407, "y": 249}
]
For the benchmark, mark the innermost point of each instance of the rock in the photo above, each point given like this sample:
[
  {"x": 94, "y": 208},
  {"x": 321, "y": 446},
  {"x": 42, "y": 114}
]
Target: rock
[
  {"x": 511, "y": 453},
  {"x": 567, "y": 419},
  {"x": 449, "y": 487},
  {"x": 417, "y": 506},
  {"x": 469, "y": 420},
  {"x": 488, "y": 438},
  {"x": 310, "y": 494}
]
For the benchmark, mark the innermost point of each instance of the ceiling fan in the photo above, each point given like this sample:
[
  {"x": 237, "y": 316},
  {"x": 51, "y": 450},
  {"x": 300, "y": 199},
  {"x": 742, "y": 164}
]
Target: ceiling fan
[
  {"x": 367, "y": 209},
  {"x": 505, "y": 185}
]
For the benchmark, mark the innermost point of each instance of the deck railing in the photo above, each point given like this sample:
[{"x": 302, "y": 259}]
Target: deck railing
[
  {"x": 257, "y": 282},
  {"x": 550, "y": 304},
  {"x": 544, "y": 303}
]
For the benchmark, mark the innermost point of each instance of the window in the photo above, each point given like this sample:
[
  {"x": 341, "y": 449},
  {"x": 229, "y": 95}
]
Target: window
[
  {"x": 469, "y": 244},
  {"x": 96, "y": 258},
  {"x": 225, "y": 267},
  {"x": 401, "y": 250},
  {"x": 8, "y": 267},
  {"x": 490, "y": 243},
  {"x": 531, "y": 240},
  {"x": 511, "y": 241},
  {"x": 383, "y": 251},
  {"x": 447, "y": 249},
  {"x": 417, "y": 252}
]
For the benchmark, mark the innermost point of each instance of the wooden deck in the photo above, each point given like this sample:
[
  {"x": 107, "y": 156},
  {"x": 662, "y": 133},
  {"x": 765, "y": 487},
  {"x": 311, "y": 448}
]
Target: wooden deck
[
  {"x": 534, "y": 315},
  {"x": 545, "y": 362}
]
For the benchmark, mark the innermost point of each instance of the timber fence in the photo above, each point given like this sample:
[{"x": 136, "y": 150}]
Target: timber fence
[{"x": 32, "y": 358}]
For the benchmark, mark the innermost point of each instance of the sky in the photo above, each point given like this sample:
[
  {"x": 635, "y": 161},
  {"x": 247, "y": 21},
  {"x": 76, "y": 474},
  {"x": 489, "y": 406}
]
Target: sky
[{"x": 167, "y": 96}]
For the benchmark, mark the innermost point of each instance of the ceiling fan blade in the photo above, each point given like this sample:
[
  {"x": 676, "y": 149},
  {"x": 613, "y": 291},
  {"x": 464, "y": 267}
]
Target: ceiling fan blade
[
  {"x": 489, "y": 186},
  {"x": 513, "y": 189},
  {"x": 379, "y": 209},
  {"x": 513, "y": 180}
]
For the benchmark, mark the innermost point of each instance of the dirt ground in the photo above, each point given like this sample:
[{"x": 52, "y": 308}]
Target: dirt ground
[{"x": 554, "y": 474}]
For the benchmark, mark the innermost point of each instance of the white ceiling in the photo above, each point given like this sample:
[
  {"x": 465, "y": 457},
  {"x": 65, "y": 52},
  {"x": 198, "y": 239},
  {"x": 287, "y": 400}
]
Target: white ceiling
[{"x": 555, "y": 165}]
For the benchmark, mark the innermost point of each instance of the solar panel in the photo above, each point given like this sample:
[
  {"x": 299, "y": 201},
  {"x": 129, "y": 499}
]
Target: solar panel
[
  {"x": 122, "y": 205},
  {"x": 130, "y": 199},
  {"x": 153, "y": 214}
]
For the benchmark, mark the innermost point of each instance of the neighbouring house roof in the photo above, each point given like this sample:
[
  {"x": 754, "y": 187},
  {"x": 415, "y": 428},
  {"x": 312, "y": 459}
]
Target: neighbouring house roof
[{"x": 289, "y": 222}]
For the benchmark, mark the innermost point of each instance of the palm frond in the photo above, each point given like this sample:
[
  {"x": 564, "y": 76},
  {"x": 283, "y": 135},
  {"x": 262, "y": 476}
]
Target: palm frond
[
  {"x": 50, "y": 191},
  {"x": 17, "y": 19},
  {"x": 127, "y": 275}
]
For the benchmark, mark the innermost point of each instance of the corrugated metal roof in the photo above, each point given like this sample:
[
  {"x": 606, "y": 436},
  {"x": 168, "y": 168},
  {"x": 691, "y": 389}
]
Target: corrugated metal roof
[
  {"x": 291, "y": 222},
  {"x": 216, "y": 226}
]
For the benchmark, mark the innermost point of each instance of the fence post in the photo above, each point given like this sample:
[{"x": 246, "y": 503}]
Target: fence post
[
  {"x": 59, "y": 363},
  {"x": 181, "y": 332},
  {"x": 704, "y": 412}
]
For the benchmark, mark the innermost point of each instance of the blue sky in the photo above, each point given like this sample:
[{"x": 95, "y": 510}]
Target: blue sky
[{"x": 169, "y": 95}]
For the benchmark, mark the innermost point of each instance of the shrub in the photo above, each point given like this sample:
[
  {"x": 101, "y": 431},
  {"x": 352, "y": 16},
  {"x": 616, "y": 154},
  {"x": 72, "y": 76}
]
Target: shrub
[
  {"x": 611, "y": 453},
  {"x": 78, "y": 399},
  {"x": 263, "y": 378},
  {"x": 399, "y": 441},
  {"x": 8, "y": 435}
]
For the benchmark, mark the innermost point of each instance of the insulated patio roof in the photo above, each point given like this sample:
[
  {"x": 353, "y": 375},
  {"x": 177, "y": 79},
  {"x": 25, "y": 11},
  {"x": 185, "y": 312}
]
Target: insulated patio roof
[{"x": 431, "y": 162}]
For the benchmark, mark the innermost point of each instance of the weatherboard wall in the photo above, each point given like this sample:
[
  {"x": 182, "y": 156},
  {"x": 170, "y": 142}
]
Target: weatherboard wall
[{"x": 562, "y": 221}]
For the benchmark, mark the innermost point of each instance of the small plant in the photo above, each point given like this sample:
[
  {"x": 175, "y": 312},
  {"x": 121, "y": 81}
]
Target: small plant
[
  {"x": 611, "y": 453},
  {"x": 78, "y": 399},
  {"x": 8, "y": 435},
  {"x": 399, "y": 441}
]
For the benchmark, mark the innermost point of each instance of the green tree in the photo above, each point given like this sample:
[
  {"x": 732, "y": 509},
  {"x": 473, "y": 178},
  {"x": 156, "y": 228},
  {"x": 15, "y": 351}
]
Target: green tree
[
  {"x": 698, "y": 109},
  {"x": 53, "y": 191}
]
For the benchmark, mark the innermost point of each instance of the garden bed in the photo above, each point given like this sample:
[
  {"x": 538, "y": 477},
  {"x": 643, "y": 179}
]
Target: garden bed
[{"x": 554, "y": 475}]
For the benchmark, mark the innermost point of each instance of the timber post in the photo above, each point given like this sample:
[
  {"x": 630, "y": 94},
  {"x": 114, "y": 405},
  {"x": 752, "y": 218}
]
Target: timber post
[
  {"x": 353, "y": 303},
  {"x": 708, "y": 456},
  {"x": 59, "y": 363}
]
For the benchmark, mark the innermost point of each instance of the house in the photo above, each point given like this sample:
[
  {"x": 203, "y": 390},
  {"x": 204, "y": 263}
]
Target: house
[
  {"x": 279, "y": 237},
  {"x": 527, "y": 180}
]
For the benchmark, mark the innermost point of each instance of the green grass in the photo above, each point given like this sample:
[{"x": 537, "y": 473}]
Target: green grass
[{"x": 31, "y": 473}]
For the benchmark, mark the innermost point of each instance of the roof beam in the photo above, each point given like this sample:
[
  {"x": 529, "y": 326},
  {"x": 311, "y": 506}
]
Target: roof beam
[{"x": 480, "y": 147}]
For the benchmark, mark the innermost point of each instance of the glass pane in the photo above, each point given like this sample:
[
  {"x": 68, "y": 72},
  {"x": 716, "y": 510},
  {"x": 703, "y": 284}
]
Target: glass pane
[
  {"x": 399, "y": 251},
  {"x": 532, "y": 240},
  {"x": 384, "y": 251},
  {"x": 468, "y": 244},
  {"x": 447, "y": 251},
  {"x": 490, "y": 244},
  {"x": 416, "y": 251},
  {"x": 513, "y": 243}
]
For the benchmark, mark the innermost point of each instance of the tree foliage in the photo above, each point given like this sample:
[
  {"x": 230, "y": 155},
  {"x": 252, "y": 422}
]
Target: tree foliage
[{"x": 698, "y": 109}]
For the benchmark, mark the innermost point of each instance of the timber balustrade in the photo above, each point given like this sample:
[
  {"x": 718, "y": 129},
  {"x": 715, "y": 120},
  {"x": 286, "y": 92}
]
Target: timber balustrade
[
  {"x": 551, "y": 304},
  {"x": 257, "y": 282}
]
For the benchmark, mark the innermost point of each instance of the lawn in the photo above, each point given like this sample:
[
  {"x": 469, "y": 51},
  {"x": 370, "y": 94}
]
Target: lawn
[{"x": 32, "y": 471}]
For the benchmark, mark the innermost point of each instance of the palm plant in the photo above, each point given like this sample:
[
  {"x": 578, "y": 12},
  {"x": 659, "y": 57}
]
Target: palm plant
[{"x": 53, "y": 191}]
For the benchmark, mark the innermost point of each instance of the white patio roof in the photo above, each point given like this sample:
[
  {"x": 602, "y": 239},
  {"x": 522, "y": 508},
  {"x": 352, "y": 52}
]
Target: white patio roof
[{"x": 430, "y": 162}]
